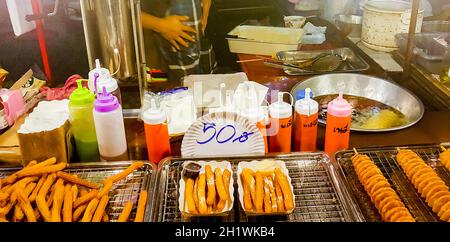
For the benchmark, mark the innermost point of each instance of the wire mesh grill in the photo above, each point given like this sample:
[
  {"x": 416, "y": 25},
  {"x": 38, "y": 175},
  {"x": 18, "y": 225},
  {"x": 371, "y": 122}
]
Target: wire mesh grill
[
  {"x": 318, "y": 195},
  {"x": 123, "y": 191},
  {"x": 385, "y": 159}
]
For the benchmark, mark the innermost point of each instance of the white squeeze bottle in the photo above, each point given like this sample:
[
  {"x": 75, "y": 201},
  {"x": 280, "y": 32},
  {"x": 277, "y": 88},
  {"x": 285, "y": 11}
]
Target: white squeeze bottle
[
  {"x": 101, "y": 77},
  {"x": 110, "y": 127}
]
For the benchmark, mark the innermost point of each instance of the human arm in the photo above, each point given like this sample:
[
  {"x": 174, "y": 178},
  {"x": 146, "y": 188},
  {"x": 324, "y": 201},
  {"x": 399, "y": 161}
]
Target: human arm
[
  {"x": 170, "y": 28},
  {"x": 206, "y": 6}
]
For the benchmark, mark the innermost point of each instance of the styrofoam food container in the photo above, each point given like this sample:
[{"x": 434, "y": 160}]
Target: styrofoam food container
[
  {"x": 222, "y": 165},
  {"x": 259, "y": 40},
  {"x": 264, "y": 165}
]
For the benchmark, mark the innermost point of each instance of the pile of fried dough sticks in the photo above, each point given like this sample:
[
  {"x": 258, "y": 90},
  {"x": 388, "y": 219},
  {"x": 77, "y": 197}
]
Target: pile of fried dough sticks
[{"x": 44, "y": 192}]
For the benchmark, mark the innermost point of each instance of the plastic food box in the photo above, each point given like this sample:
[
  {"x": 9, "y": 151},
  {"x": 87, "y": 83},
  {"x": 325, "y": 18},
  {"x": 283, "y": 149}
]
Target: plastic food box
[
  {"x": 430, "y": 49},
  {"x": 260, "y": 40}
]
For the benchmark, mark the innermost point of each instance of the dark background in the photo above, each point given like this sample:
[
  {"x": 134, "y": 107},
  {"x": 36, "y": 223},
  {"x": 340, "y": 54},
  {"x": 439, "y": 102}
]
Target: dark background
[{"x": 67, "y": 49}]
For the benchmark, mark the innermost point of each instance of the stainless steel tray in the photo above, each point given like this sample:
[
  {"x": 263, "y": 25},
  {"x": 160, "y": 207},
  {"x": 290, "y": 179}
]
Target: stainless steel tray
[
  {"x": 318, "y": 187},
  {"x": 384, "y": 158},
  {"x": 352, "y": 63},
  {"x": 368, "y": 87},
  {"x": 122, "y": 192}
]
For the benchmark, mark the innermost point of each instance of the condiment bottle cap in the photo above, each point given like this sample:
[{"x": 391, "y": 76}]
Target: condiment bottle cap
[
  {"x": 154, "y": 115},
  {"x": 106, "y": 102},
  {"x": 81, "y": 95},
  {"x": 281, "y": 109},
  {"x": 307, "y": 106},
  {"x": 339, "y": 107}
]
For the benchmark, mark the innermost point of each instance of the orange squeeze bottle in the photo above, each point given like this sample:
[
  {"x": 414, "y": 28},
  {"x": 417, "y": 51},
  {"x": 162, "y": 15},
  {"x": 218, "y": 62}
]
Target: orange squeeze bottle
[
  {"x": 337, "y": 135},
  {"x": 156, "y": 133},
  {"x": 280, "y": 129},
  {"x": 306, "y": 121},
  {"x": 255, "y": 113}
]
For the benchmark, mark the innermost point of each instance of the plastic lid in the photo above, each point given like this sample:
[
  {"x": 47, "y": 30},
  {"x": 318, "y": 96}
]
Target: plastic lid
[
  {"x": 81, "y": 95},
  {"x": 100, "y": 71},
  {"x": 307, "y": 106},
  {"x": 154, "y": 115},
  {"x": 300, "y": 94},
  {"x": 339, "y": 107},
  {"x": 281, "y": 109},
  {"x": 106, "y": 102},
  {"x": 107, "y": 81}
]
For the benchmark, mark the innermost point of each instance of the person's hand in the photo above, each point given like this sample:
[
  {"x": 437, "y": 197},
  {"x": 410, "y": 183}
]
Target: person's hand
[{"x": 173, "y": 30}]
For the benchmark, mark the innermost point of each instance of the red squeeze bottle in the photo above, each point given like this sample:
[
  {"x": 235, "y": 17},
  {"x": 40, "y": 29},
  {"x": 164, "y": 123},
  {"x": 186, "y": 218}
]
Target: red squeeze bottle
[
  {"x": 306, "y": 122},
  {"x": 156, "y": 133},
  {"x": 337, "y": 135},
  {"x": 280, "y": 131}
]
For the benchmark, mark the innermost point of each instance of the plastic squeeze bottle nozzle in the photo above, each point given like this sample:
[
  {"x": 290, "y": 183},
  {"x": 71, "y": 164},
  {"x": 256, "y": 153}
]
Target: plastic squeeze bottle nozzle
[
  {"x": 110, "y": 127},
  {"x": 156, "y": 133},
  {"x": 97, "y": 71},
  {"x": 81, "y": 105},
  {"x": 280, "y": 127},
  {"x": 256, "y": 115},
  {"x": 101, "y": 77},
  {"x": 337, "y": 135},
  {"x": 306, "y": 122}
]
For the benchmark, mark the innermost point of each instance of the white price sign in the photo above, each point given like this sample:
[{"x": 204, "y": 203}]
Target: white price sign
[{"x": 221, "y": 134}]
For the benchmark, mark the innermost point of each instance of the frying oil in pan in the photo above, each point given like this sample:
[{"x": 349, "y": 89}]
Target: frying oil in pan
[{"x": 367, "y": 113}]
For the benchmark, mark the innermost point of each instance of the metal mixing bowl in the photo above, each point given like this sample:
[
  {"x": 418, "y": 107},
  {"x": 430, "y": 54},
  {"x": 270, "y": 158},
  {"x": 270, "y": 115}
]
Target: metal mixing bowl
[
  {"x": 350, "y": 25},
  {"x": 369, "y": 87}
]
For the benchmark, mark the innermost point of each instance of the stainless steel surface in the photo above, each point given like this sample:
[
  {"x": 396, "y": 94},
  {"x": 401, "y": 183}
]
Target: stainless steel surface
[
  {"x": 352, "y": 62},
  {"x": 428, "y": 51},
  {"x": 368, "y": 87},
  {"x": 110, "y": 24},
  {"x": 287, "y": 68},
  {"x": 126, "y": 190},
  {"x": 350, "y": 25},
  {"x": 318, "y": 187},
  {"x": 410, "y": 45},
  {"x": 436, "y": 26},
  {"x": 384, "y": 158}
]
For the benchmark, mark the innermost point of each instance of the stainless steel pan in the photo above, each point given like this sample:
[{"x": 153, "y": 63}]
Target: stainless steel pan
[{"x": 368, "y": 87}]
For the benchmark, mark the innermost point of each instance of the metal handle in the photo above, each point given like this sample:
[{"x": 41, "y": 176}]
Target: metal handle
[{"x": 279, "y": 66}]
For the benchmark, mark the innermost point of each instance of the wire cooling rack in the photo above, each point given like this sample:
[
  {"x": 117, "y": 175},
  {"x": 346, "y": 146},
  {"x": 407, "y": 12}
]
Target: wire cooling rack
[
  {"x": 384, "y": 158},
  {"x": 318, "y": 188},
  {"x": 123, "y": 191}
]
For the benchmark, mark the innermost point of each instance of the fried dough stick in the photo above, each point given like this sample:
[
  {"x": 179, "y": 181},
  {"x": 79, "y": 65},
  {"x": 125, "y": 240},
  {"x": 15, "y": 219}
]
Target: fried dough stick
[
  {"x": 76, "y": 180},
  {"x": 58, "y": 199},
  {"x": 126, "y": 172},
  {"x": 40, "y": 199},
  {"x": 42, "y": 170},
  {"x": 125, "y": 212},
  {"x": 68, "y": 203},
  {"x": 141, "y": 206},
  {"x": 100, "y": 211},
  {"x": 26, "y": 206},
  {"x": 86, "y": 198}
]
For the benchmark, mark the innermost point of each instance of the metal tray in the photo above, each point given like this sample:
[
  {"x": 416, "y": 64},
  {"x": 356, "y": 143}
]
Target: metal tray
[
  {"x": 352, "y": 63},
  {"x": 384, "y": 158},
  {"x": 122, "y": 192},
  {"x": 318, "y": 187},
  {"x": 368, "y": 87}
]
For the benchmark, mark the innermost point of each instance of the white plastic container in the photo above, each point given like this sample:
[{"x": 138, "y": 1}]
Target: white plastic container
[
  {"x": 382, "y": 20},
  {"x": 110, "y": 128},
  {"x": 260, "y": 40},
  {"x": 18, "y": 9}
]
